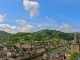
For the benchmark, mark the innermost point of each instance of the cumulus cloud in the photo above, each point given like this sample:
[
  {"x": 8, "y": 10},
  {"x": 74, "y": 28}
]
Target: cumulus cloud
[
  {"x": 26, "y": 27},
  {"x": 32, "y": 7},
  {"x": 14, "y": 29},
  {"x": 8, "y": 28},
  {"x": 66, "y": 28},
  {"x": 40, "y": 26},
  {"x": 2, "y": 18},
  {"x": 22, "y": 22}
]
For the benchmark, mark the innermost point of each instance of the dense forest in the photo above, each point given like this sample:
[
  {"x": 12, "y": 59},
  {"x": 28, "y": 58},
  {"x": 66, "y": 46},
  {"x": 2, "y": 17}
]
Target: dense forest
[{"x": 42, "y": 35}]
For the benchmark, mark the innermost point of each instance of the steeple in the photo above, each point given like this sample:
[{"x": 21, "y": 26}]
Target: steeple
[
  {"x": 75, "y": 40},
  {"x": 75, "y": 46}
]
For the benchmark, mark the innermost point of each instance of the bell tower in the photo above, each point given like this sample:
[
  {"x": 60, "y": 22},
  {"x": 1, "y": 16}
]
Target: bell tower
[{"x": 75, "y": 46}]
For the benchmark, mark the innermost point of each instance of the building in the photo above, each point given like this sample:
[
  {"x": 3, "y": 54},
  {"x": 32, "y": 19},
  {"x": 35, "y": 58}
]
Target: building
[{"x": 75, "y": 46}]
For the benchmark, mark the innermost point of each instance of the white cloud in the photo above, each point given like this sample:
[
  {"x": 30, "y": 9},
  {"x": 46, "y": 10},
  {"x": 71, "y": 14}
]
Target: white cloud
[
  {"x": 32, "y": 7},
  {"x": 40, "y": 26},
  {"x": 8, "y": 28},
  {"x": 66, "y": 28},
  {"x": 26, "y": 27},
  {"x": 2, "y": 18},
  {"x": 50, "y": 19},
  {"x": 22, "y": 22},
  {"x": 14, "y": 29}
]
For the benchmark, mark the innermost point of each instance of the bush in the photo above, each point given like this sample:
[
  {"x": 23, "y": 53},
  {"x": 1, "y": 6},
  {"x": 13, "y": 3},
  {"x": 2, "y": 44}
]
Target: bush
[{"x": 74, "y": 55}]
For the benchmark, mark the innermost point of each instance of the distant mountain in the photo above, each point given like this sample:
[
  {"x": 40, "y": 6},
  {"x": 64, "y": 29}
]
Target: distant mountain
[
  {"x": 42, "y": 35},
  {"x": 3, "y": 34},
  {"x": 50, "y": 34}
]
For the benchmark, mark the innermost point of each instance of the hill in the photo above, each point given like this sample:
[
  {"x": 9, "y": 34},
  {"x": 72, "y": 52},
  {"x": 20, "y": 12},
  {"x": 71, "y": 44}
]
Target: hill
[
  {"x": 42, "y": 35},
  {"x": 4, "y": 34}
]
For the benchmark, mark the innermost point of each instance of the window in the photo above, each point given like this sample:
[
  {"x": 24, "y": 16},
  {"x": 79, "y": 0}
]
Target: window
[{"x": 74, "y": 47}]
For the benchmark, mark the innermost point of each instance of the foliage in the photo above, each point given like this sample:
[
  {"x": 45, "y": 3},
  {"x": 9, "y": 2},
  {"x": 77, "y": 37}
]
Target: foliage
[
  {"x": 74, "y": 55},
  {"x": 9, "y": 45},
  {"x": 42, "y": 36},
  {"x": 4, "y": 34}
]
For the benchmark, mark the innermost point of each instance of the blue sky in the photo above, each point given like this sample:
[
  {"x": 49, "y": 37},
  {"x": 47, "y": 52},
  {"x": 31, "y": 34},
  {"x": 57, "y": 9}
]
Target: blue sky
[{"x": 33, "y": 15}]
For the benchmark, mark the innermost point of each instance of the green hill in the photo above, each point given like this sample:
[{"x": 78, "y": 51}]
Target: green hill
[
  {"x": 43, "y": 35},
  {"x": 4, "y": 34}
]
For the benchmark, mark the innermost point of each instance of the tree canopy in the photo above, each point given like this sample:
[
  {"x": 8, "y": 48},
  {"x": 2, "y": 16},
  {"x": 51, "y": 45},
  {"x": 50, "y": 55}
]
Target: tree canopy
[
  {"x": 42, "y": 35},
  {"x": 74, "y": 55}
]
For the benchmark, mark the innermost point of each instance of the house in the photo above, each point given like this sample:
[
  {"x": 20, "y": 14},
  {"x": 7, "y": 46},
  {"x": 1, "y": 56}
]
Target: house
[{"x": 8, "y": 54}]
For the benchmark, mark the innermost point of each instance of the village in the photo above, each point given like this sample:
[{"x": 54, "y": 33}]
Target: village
[
  {"x": 39, "y": 29},
  {"x": 25, "y": 51},
  {"x": 28, "y": 51},
  {"x": 64, "y": 54}
]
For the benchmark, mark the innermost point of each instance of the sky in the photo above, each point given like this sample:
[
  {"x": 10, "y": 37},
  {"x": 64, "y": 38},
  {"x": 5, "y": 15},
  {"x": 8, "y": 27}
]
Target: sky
[{"x": 34, "y": 15}]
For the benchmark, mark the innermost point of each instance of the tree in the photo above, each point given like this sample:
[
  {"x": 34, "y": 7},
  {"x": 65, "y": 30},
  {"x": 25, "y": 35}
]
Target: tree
[{"x": 74, "y": 55}]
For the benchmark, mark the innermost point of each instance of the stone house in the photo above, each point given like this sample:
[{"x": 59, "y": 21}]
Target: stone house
[{"x": 9, "y": 54}]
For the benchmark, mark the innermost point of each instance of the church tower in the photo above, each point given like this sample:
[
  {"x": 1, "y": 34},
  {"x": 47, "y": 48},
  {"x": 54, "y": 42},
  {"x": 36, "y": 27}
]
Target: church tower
[{"x": 75, "y": 46}]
